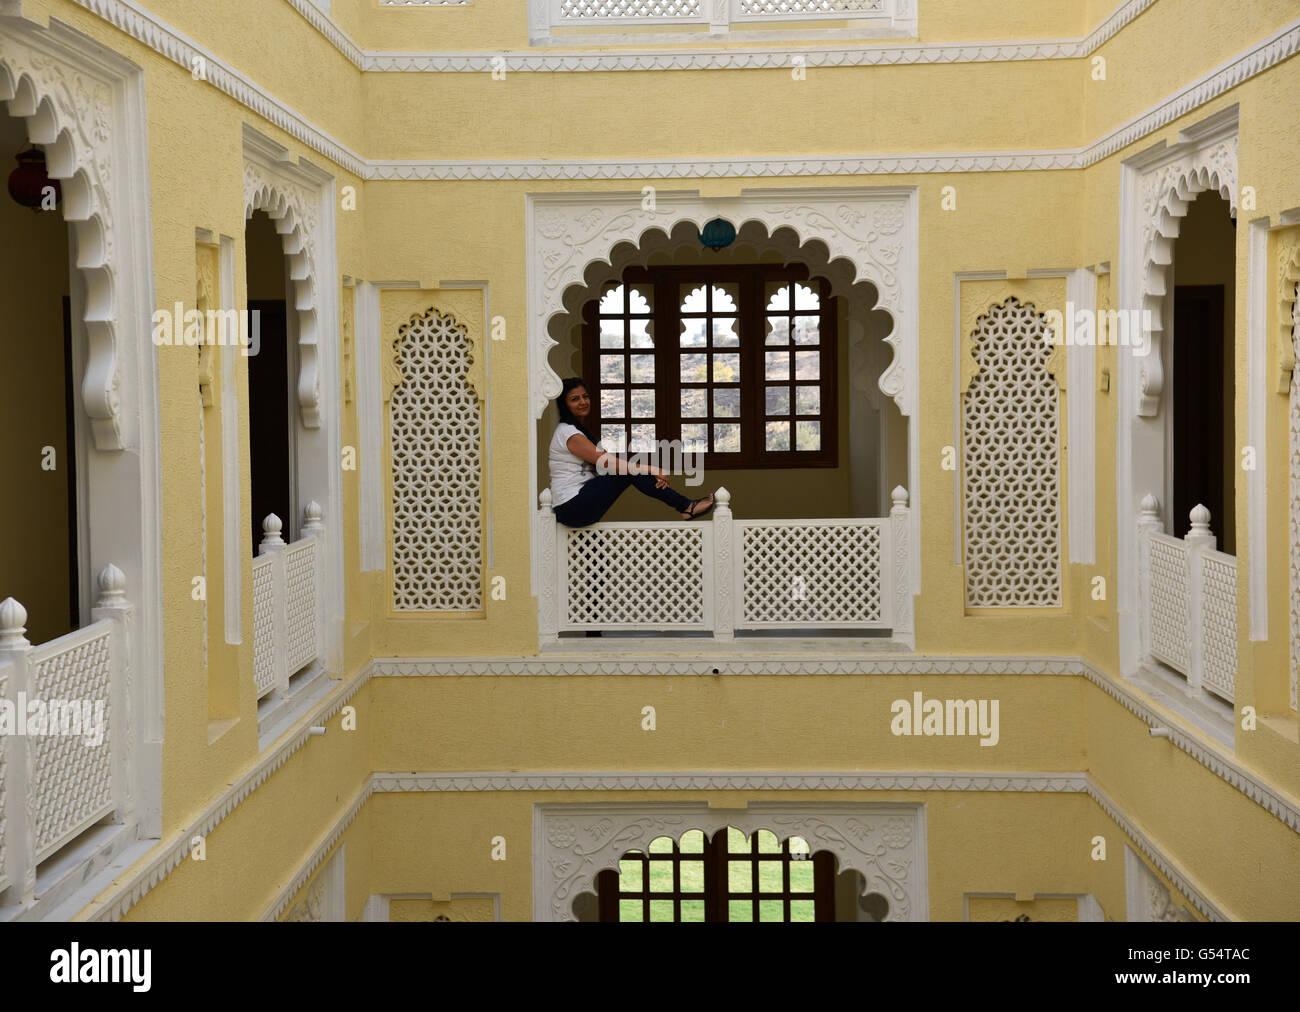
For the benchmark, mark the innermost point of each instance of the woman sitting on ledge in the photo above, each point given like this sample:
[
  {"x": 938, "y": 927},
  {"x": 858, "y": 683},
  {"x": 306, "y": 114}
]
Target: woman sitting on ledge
[{"x": 580, "y": 496}]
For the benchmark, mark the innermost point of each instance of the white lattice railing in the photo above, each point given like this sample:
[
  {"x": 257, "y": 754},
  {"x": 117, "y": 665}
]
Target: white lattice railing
[
  {"x": 1189, "y": 601},
  {"x": 286, "y": 602},
  {"x": 723, "y": 574},
  {"x": 64, "y": 767}
]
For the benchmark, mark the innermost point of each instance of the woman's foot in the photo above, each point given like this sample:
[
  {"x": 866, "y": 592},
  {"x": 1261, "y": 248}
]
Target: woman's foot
[{"x": 698, "y": 508}]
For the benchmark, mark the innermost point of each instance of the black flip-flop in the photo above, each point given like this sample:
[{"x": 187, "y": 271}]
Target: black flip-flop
[{"x": 702, "y": 513}]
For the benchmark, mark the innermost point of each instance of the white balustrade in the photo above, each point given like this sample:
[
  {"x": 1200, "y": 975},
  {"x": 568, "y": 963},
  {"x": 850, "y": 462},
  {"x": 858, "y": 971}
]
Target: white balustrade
[
  {"x": 63, "y": 767},
  {"x": 1188, "y": 601},
  {"x": 717, "y": 14},
  {"x": 724, "y": 574},
  {"x": 286, "y": 602}
]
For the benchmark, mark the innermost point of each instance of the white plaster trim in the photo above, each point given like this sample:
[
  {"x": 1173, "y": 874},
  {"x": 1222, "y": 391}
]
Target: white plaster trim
[
  {"x": 552, "y": 666},
  {"x": 1258, "y": 397},
  {"x": 1081, "y": 423},
  {"x": 323, "y": 851},
  {"x": 370, "y": 422},
  {"x": 231, "y": 489},
  {"x": 148, "y": 29}
]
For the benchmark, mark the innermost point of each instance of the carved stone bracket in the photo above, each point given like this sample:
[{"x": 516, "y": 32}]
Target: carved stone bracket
[
  {"x": 1165, "y": 193},
  {"x": 1288, "y": 310},
  {"x": 576, "y": 237},
  {"x": 885, "y": 842},
  {"x": 69, "y": 114},
  {"x": 294, "y": 210}
]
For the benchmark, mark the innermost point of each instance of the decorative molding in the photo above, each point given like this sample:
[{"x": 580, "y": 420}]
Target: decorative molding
[
  {"x": 598, "y": 664},
  {"x": 1081, "y": 423},
  {"x": 372, "y": 512},
  {"x": 1288, "y": 308},
  {"x": 1147, "y": 898},
  {"x": 207, "y": 289},
  {"x": 271, "y": 185},
  {"x": 572, "y": 844},
  {"x": 335, "y": 35},
  {"x": 1166, "y": 191},
  {"x": 68, "y": 106}
]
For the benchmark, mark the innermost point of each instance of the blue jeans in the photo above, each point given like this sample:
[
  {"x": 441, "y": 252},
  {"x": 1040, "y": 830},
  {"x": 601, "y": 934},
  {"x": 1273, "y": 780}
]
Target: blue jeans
[{"x": 599, "y": 493}]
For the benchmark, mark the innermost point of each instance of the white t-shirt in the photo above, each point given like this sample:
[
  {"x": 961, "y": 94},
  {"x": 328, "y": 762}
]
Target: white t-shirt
[{"x": 569, "y": 472}]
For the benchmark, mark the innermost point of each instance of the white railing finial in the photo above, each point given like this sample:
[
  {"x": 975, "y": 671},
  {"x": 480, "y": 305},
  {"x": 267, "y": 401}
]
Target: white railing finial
[
  {"x": 312, "y": 518},
  {"x": 899, "y": 497},
  {"x": 722, "y": 500},
  {"x": 112, "y": 587},
  {"x": 1150, "y": 506},
  {"x": 13, "y": 623},
  {"x": 1200, "y": 518},
  {"x": 271, "y": 528},
  {"x": 545, "y": 498}
]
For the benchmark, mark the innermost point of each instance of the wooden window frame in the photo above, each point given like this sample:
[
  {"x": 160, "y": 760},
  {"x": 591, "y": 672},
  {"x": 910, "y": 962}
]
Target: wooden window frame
[{"x": 663, "y": 284}]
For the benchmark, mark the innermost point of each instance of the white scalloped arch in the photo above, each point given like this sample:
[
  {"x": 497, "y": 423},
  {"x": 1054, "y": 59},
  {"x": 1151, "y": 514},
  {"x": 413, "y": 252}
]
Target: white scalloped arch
[
  {"x": 290, "y": 210},
  {"x": 75, "y": 156},
  {"x": 884, "y": 842},
  {"x": 1172, "y": 191}
]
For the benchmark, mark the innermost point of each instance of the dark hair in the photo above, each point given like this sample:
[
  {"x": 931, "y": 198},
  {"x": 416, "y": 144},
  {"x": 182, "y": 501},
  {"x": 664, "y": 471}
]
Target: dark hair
[{"x": 569, "y": 385}]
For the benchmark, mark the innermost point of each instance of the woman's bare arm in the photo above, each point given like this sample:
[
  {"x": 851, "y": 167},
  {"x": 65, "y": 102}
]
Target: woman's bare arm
[{"x": 611, "y": 463}]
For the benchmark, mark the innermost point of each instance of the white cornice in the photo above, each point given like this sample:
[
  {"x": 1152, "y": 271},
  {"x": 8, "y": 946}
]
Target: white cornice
[
  {"x": 830, "y": 664},
  {"x": 143, "y": 26}
]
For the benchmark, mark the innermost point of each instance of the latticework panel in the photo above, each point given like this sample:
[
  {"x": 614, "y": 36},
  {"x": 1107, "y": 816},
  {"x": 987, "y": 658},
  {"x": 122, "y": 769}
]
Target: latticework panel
[
  {"x": 1295, "y": 507},
  {"x": 1011, "y": 465},
  {"x": 300, "y": 603},
  {"x": 767, "y": 8},
  {"x": 72, "y": 778},
  {"x": 1169, "y": 601},
  {"x": 264, "y": 630},
  {"x": 1219, "y": 623},
  {"x": 437, "y": 471},
  {"x": 811, "y": 574},
  {"x": 642, "y": 575},
  {"x": 627, "y": 10}
]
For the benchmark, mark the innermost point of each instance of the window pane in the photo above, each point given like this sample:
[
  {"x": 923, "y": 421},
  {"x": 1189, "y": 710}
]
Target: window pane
[
  {"x": 737, "y": 842},
  {"x": 777, "y": 365},
  {"x": 809, "y": 435},
  {"x": 611, "y": 333},
  {"x": 778, "y": 330},
  {"x": 661, "y": 845},
  {"x": 661, "y": 910},
  {"x": 661, "y": 877},
  {"x": 639, "y": 299},
  {"x": 630, "y": 910},
  {"x": 611, "y": 369},
  {"x": 805, "y": 297},
  {"x": 692, "y": 873},
  {"x": 801, "y": 876},
  {"x": 726, "y": 438},
  {"x": 798, "y": 848},
  {"x": 771, "y": 910},
  {"x": 807, "y": 329},
  {"x": 726, "y": 368},
  {"x": 694, "y": 404},
  {"x": 725, "y": 297},
  {"x": 611, "y": 300},
  {"x": 695, "y": 368},
  {"x": 613, "y": 438},
  {"x": 740, "y": 910},
  {"x": 629, "y": 876},
  {"x": 778, "y": 295},
  {"x": 803, "y": 910},
  {"x": 613, "y": 403},
  {"x": 643, "y": 438},
  {"x": 640, "y": 331},
  {"x": 695, "y": 438},
  {"x": 769, "y": 877},
  {"x": 778, "y": 436},
  {"x": 643, "y": 368},
  {"x": 693, "y": 296},
  {"x": 740, "y": 877},
  {"x": 726, "y": 403},
  {"x": 643, "y": 403},
  {"x": 725, "y": 333},
  {"x": 767, "y": 842},
  {"x": 778, "y": 400},
  {"x": 692, "y": 911},
  {"x": 693, "y": 332},
  {"x": 692, "y": 842},
  {"x": 807, "y": 365},
  {"x": 808, "y": 400}
]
